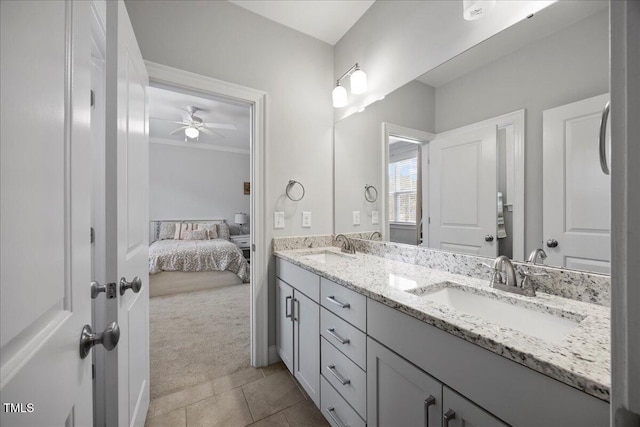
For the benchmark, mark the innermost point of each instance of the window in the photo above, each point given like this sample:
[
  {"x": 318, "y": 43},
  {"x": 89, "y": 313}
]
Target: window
[{"x": 403, "y": 186}]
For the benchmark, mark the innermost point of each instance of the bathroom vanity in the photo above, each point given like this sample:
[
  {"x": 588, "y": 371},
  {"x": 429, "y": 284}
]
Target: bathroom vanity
[{"x": 377, "y": 341}]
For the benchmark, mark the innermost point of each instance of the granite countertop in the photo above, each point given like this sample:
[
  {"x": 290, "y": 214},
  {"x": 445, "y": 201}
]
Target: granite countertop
[{"x": 580, "y": 359}]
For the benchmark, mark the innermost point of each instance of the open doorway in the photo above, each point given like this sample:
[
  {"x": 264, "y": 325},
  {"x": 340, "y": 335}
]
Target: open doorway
[{"x": 199, "y": 258}]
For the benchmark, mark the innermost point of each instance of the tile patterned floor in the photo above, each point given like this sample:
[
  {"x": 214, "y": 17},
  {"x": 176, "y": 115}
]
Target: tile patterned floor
[{"x": 264, "y": 397}]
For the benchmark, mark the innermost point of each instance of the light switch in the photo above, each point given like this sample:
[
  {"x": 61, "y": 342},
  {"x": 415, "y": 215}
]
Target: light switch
[
  {"x": 356, "y": 217},
  {"x": 278, "y": 220},
  {"x": 374, "y": 217},
  {"x": 306, "y": 219}
]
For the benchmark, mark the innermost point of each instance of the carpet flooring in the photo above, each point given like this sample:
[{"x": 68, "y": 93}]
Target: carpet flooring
[{"x": 197, "y": 337}]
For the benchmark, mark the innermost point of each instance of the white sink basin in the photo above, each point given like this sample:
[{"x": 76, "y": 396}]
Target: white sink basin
[
  {"x": 328, "y": 257},
  {"x": 547, "y": 326}
]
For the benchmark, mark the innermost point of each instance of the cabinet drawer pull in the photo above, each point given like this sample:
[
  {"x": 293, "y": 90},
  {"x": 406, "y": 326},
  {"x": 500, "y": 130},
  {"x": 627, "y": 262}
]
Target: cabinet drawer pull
[
  {"x": 287, "y": 311},
  {"x": 332, "y": 369},
  {"x": 331, "y": 331},
  {"x": 448, "y": 416},
  {"x": 332, "y": 413},
  {"x": 429, "y": 401},
  {"x": 335, "y": 301}
]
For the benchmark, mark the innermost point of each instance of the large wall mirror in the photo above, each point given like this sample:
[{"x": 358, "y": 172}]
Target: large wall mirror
[{"x": 494, "y": 152}]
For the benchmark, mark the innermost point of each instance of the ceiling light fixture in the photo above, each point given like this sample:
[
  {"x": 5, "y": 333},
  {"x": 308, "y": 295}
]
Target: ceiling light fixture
[
  {"x": 191, "y": 132},
  {"x": 475, "y": 9},
  {"x": 358, "y": 86}
]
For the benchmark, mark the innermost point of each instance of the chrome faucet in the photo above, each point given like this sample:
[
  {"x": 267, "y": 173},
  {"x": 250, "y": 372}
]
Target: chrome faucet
[
  {"x": 375, "y": 234},
  {"x": 511, "y": 283},
  {"x": 535, "y": 254},
  {"x": 347, "y": 246}
]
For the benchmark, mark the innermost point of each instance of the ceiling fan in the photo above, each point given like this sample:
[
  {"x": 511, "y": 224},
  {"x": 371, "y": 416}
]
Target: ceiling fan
[{"x": 192, "y": 125}]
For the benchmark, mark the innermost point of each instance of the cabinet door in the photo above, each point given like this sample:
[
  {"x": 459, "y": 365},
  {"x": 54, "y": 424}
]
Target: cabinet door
[
  {"x": 306, "y": 332},
  {"x": 284, "y": 323},
  {"x": 464, "y": 413},
  {"x": 398, "y": 393}
]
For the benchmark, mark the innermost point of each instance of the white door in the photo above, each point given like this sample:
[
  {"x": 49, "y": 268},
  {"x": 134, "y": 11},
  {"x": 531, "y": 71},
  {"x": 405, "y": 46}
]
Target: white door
[
  {"x": 45, "y": 213},
  {"x": 127, "y": 229},
  {"x": 576, "y": 194},
  {"x": 463, "y": 192}
]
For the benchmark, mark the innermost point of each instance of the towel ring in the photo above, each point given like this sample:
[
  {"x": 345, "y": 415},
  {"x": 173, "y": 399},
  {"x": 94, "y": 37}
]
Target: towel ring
[
  {"x": 367, "y": 193},
  {"x": 290, "y": 185}
]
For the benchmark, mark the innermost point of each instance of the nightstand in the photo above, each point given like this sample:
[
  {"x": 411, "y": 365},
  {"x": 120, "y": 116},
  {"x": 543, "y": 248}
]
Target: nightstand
[{"x": 243, "y": 241}]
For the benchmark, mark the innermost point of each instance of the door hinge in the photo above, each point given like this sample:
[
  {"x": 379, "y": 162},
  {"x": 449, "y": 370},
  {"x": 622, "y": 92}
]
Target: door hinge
[
  {"x": 93, "y": 371},
  {"x": 253, "y": 247},
  {"x": 429, "y": 220},
  {"x": 93, "y": 235},
  {"x": 93, "y": 98}
]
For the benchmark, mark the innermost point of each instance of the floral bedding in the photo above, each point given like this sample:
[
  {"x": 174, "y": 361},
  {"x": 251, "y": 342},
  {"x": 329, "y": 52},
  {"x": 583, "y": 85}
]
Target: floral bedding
[{"x": 197, "y": 255}]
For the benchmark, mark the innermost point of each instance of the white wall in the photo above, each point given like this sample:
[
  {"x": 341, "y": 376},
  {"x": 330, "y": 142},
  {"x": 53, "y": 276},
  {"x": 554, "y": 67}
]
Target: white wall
[
  {"x": 226, "y": 42},
  {"x": 566, "y": 66},
  {"x": 195, "y": 183},
  {"x": 396, "y": 41},
  {"x": 358, "y": 150}
]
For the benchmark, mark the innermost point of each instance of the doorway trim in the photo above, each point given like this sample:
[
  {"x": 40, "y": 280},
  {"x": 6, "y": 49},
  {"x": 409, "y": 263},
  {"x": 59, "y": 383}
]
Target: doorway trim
[{"x": 176, "y": 77}]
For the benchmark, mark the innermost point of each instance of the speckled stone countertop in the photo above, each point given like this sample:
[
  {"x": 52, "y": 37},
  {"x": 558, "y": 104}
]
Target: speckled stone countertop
[{"x": 580, "y": 359}]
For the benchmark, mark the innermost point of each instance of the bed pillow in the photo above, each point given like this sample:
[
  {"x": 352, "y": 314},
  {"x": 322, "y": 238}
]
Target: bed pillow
[
  {"x": 210, "y": 228},
  {"x": 194, "y": 235},
  {"x": 223, "y": 231},
  {"x": 181, "y": 228},
  {"x": 167, "y": 230}
]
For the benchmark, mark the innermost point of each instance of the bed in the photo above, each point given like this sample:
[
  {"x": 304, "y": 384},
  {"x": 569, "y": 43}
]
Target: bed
[{"x": 193, "y": 255}]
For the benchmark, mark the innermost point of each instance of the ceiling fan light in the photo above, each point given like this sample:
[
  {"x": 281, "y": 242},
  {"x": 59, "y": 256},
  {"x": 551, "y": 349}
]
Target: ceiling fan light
[
  {"x": 339, "y": 95},
  {"x": 192, "y": 132},
  {"x": 358, "y": 82}
]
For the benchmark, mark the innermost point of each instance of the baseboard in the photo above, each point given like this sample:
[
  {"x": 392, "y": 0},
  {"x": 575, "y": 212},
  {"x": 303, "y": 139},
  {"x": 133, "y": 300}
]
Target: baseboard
[{"x": 273, "y": 355}]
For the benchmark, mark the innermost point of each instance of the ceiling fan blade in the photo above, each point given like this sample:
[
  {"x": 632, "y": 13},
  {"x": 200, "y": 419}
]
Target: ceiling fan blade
[
  {"x": 177, "y": 131},
  {"x": 210, "y": 132},
  {"x": 228, "y": 126},
  {"x": 169, "y": 121}
]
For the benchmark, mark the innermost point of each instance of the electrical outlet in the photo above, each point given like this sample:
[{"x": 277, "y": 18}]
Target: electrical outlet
[
  {"x": 374, "y": 218},
  {"x": 356, "y": 217},
  {"x": 278, "y": 220},
  {"x": 306, "y": 219}
]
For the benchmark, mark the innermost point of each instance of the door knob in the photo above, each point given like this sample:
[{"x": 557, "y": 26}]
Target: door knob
[
  {"x": 135, "y": 285},
  {"x": 488, "y": 238},
  {"x": 109, "y": 338},
  {"x": 552, "y": 243},
  {"x": 96, "y": 288}
]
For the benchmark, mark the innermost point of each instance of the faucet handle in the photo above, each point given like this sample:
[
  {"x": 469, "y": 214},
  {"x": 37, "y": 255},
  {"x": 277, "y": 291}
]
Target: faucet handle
[{"x": 490, "y": 267}]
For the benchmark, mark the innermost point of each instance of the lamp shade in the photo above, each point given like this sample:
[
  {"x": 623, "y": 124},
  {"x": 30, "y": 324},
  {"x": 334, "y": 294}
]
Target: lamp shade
[
  {"x": 192, "y": 132},
  {"x": 241, "y": 218},
  {"x": 358, "y": 82},
  {"x": 339, "y": 95},
  {"x": 474, "y": 9}
]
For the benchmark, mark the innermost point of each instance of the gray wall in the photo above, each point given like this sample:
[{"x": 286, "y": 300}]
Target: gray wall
[
  {"x": 567, "y": 66},
  {"x": 358, "y": 150},
  {"x": 195, "y": 183},
  {"x": 224, "y": 41}
]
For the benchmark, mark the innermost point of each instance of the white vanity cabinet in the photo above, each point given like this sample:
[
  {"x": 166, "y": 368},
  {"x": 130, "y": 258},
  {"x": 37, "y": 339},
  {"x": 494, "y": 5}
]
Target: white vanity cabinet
[
  {"x": 298, "y": 325},
  {"x": 400, "y": 394}
]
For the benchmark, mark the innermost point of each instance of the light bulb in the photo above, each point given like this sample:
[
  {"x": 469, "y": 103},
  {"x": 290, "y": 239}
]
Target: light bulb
[
  {"x": 339, "y": 95},
  {"x": 358, "y": 82},
  {"x": 192, "y": 132},
  {"x": 474, "y": 9}
]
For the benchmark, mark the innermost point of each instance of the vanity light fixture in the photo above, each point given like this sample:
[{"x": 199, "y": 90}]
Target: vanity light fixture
[
  {"x": 475, "y": 9},
  {"x": 358, "y": 85}
]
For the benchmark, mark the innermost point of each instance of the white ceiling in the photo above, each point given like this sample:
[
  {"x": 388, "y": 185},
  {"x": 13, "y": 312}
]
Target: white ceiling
[
  {"x": 326, "y": 20},
  {"x": 166, "y": 106}
]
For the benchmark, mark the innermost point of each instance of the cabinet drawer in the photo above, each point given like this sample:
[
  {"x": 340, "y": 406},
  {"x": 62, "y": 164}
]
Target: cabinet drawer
[
  {"x": 344, "y": 336},
  {"x": 335, "y": 409},
  {"x": 301, "y": 279},
  {"x": 347, "y": 304},
  {"x": 345, "y": 376}
]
